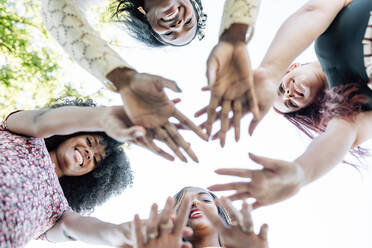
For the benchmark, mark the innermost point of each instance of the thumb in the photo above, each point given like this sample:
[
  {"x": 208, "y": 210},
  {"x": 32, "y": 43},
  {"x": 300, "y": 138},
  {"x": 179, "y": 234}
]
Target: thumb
[
  {"x": 263, "y": 232},
  {"x": 253, "y": 125},
  {"x": 170, "y": 84},
  {"x": 212, "y": 68},
  {"x": 265, "y": 162}
]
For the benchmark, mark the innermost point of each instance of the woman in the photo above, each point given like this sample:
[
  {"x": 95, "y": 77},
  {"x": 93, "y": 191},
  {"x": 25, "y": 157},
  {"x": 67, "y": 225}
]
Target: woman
[
  {"x": 209, "y": 220},
  {"x": 56, "y": 163},
  {"x": 144, "y": 100},
  {"x": 330, "y": 97}
]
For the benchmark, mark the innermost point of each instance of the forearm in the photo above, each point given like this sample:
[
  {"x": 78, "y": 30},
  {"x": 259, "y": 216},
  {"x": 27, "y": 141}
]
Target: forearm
[
  {"x": 59, "y": 121},
  {"x": 297, "y": 33},
  {"x": 88, "y": 230},
  {"x": 327, "y": 150},
  {"x": 68, "y": 25}
]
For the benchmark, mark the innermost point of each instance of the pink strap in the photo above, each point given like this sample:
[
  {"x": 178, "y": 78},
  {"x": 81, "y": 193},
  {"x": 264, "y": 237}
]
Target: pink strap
[{"x": 3, "y": 126}]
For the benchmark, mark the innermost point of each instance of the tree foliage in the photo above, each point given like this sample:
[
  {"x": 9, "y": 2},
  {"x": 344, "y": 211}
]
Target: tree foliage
[{"x": 29, "y": 73}]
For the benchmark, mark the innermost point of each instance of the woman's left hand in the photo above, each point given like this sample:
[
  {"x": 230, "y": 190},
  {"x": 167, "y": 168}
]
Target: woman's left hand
[
  {"x": 276, "y": 181},
  {"x": 240, "y": 233},
  {"x": 161, "y": 230}
]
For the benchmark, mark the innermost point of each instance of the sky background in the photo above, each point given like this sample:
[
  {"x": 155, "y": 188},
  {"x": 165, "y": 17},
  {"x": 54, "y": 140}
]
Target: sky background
[{"x": 332, "y": 212}]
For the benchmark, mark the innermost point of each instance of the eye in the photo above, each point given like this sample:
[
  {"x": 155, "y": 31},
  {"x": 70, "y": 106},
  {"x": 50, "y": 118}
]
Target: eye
[
  {"x": 89, "y": 143},
  {"x": 169, "y": 33},
  {"x": 206, "y": 200},
  {"x": 291, "y": 104},
  {"x": 281, "y": 89},
  {"x": 188, "y": 22}
]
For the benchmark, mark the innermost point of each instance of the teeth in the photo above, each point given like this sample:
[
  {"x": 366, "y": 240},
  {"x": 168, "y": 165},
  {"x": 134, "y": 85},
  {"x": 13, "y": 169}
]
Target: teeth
[
  {"x": 79, "y": 157},
  {"x": 195, "y": 213},
  {"x": 171, "y": 16}
]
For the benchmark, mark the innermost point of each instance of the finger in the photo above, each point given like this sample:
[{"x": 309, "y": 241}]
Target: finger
[
  {"x": 257, "y": 204},
  {"x": 187, "y": 122},
  {"x": 240, "y": 196},
  {"x": 164, "y": 136},
  {"x": 226, "y": 107},
  {"x": 166, "y": 213},
  {"x": 252, "y": 126},
  {"x": 247, "y": 221},
  {"x": 218, "y": 117},
  {"x": 213, "y": 217},
  {"x": 237, "y": 111},
  {"x": 235, "y": 215},
  {"x": 213, "y": 104},
  {"x": 183, "y": 216},
  {"x": 217, "y": 134},
  {"x": 180, "y": 126},
  {"x": 265, "y": 162},
  {"x": 179, "y": 140},
  {"x": 206, "y": 88},
  {"x": 157, "y": 150},
  {"x": 201, "y": 112},
  {"x": 238, "y": 186},
  {"x": 236, "y": 172},
  {"x": 170, "y": 84},
  {"x": 212, "y": 68},
  {"x": 252, "y": 100},
  {"x": 152, "y": 222},
  {"x": 187, "y": 232},
  {"x": 138, "y": 231},
  {"x": 263, "y": 232}
]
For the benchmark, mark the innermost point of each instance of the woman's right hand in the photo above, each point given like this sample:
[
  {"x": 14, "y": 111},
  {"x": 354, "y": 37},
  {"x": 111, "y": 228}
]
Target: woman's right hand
[
  {"x": 240, "y": 233},
  {"x": 147, "y": 105},
  {"x": 161, "y": 230}
]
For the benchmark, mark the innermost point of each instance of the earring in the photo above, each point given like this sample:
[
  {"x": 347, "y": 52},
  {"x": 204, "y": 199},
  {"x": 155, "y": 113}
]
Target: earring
[{"x": 140, "y": 9}]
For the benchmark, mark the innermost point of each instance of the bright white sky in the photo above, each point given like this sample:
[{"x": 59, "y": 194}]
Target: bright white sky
[{"x": 332, "y": 212}]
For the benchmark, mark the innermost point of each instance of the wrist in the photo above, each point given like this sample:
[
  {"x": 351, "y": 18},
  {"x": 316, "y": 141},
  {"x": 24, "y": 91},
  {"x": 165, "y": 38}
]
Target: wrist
[
  {"x": 236, "y": 33},
  {"x": 121, "y": 77}
]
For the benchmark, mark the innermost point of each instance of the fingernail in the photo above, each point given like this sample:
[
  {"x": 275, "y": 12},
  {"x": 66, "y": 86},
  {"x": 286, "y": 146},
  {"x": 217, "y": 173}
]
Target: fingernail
[{"x": 138, "y": 134}]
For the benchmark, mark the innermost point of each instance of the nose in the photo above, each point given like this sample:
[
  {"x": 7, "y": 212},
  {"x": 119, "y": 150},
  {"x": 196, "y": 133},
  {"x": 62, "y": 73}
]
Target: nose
[
  {"x": 177, "y": 24},
  {"x": 89, "y": 154},
  {"x": 195, "y": 203}
]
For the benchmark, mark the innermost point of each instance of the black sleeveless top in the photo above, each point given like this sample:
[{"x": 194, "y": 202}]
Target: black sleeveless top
[{"x": 340, "y": 49}]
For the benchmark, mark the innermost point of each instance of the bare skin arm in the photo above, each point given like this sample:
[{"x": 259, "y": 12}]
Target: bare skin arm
[
  {"x": 73, "y": 226},
  {"x": 279, "y": 180},
  {"x": 70, "y": 119}
]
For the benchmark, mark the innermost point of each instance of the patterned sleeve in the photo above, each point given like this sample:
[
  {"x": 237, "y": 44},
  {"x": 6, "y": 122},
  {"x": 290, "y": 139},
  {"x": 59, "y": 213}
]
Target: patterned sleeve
[
  {"x": 66, "y": 21},
  {"x": 367, "y": 48},
  {"x": 240, "y": 11}
]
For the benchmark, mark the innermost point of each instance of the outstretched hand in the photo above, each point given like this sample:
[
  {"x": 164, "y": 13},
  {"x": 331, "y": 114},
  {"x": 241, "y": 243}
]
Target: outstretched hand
[
  {"x": 147, "y": 105},
  {"x": 230, "y": 80},
  {"x": 161, "y": 230},
  {"x": 240, "y": 234},
  {"x": 276, "y": 181}
]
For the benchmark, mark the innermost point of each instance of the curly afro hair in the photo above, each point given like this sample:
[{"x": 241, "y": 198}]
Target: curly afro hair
[
  {"x": 110, "y": 176},
  {"x": 126, "y": 12}
]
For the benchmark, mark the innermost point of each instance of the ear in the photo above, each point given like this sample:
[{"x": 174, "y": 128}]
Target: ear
[
  {"x": 140, "y": 9},
  {"x": 293, "y": 66}
]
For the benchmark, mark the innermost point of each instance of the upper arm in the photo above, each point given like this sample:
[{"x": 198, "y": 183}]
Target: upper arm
[{"x": 363, "y": 125}]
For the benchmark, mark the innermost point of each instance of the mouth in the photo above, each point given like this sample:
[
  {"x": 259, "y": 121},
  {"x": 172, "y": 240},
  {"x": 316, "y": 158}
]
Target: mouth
[
  {"x": 78, "y": 157},
  {"x": 171, "y": 14},
  {"x": 195, "y": 214}
]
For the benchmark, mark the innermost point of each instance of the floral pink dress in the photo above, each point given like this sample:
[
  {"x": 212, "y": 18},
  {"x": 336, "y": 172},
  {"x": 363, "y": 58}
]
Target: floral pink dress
[{"x": 31, "y": 198}]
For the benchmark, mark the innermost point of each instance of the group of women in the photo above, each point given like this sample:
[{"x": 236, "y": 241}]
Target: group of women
[{"x": 64, "y": 160}]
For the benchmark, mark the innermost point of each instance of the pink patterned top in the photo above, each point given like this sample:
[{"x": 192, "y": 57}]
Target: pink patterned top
[{"x": 31, "y": 198}]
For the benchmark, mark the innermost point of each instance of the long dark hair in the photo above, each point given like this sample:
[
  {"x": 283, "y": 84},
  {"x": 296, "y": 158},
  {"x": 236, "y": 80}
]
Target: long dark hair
[
  {"x": 341, "y": 101},
  {"x": 110, "y": 176},
  {"x": 126, "y": 12}
]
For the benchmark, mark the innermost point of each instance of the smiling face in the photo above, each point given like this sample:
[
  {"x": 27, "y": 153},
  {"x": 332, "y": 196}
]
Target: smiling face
[
  {"x": 299, "y": 88},
  {"x": 175, "y": 21},
  {"x": 197, "y": 220},
  {"x": 79, "y": 155}
]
